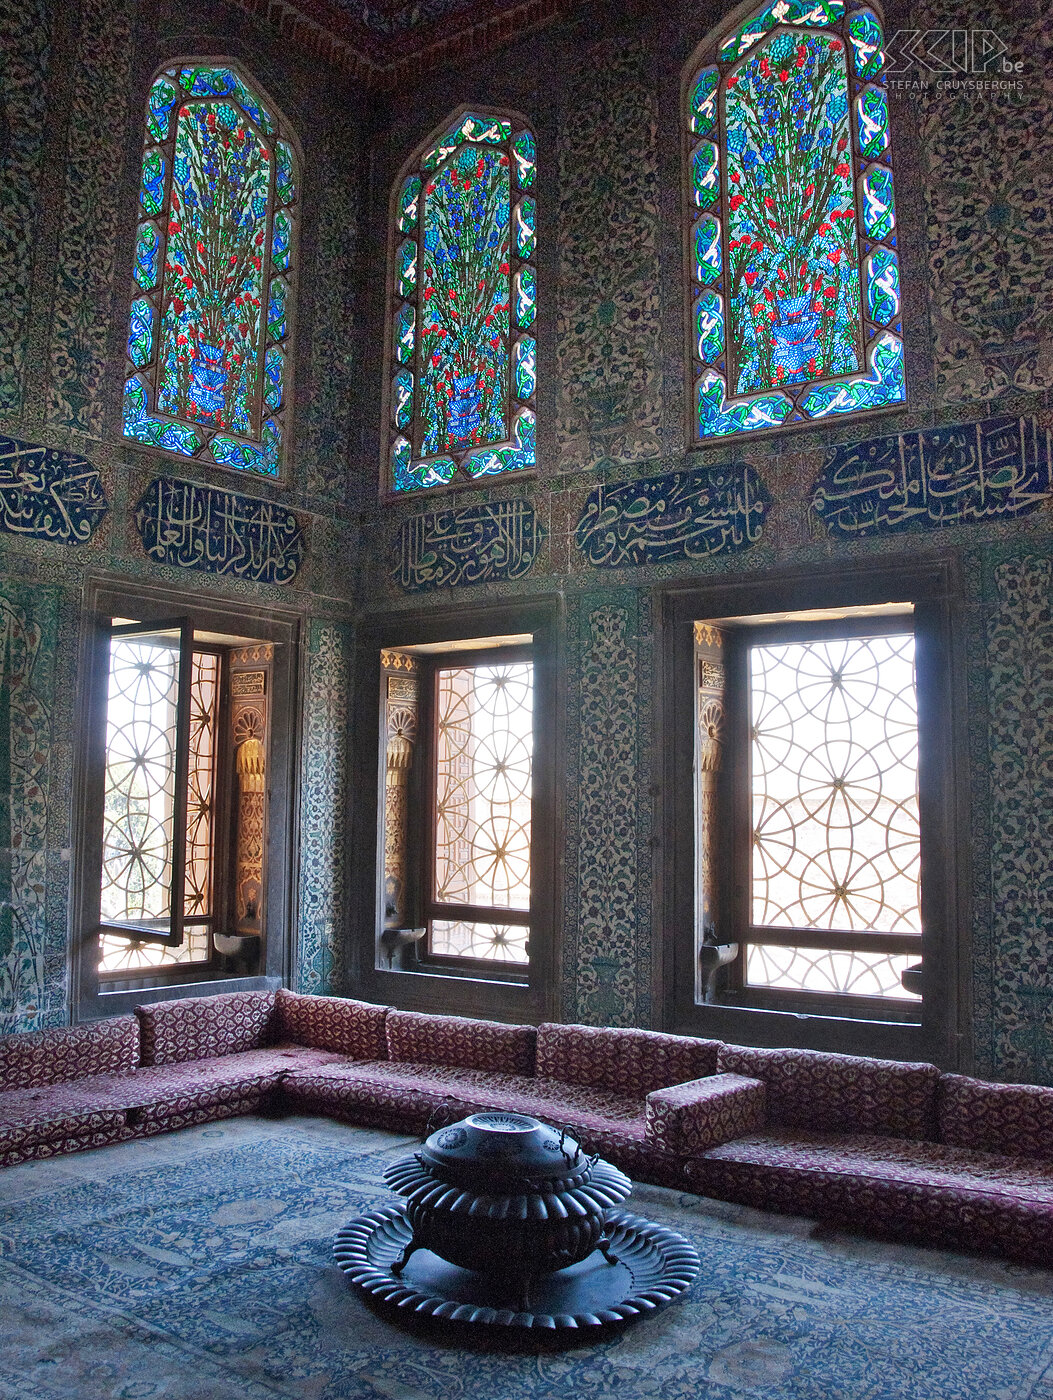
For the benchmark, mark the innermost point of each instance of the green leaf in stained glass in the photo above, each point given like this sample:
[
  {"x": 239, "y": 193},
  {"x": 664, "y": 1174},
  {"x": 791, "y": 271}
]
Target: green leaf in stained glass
[
  {"x": 281, "y": 241},
  {"x": 141, "y": 333},
  {"x": 872, "y": 122},
  {"x": 147, "y": 250},
  {"x": 703, "y": 102},
  {"x": 879, "y": 212},
  {"x": 409, "y": 204},
  {"x": 404, "y": 334},
  {"x": 284, "y": 165},
  {"x": 274, "y": 376},
  {"x": 882, "y": 277},
  {"x": 525, "y": 231},
  {"x": 525, "y": 368},
  {"x": 708, "y": 261},
  {"x": 526, "y": 296},
  {"x": 709, "y": 326},
  {"x": 867, "y": 39},
  {"x": 406, "y": 268},
  {"x": 152, "y": 191},
  {"x": 402, "y": 400},
  {"x": 705, "y": 174},
  {"x": 163, "y": 97},
  {"x": 524, "y": 150}
]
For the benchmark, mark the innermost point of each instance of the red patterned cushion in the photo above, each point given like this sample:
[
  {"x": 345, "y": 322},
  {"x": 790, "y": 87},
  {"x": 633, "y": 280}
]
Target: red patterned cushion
[
  {"x": 1016, "y": 1118},
  {"x": 51, "y": 1112},
  {"x": 924, "y": 1190},
  {"x": 839, "y": 1093},
  {"x": 663, "y": 1060},
  {"x": 355, "y": 1028},
  {"x": 79, "y": 1142},
  {"x": 198, "y": 1028},
  {"x": 460, "y": 1042},
  {"x": 689, "y": 1118},
  {"x": 594, "y": 1056},
  {"x": 628, "y": 1061},
  {"x": 57, "y": 1056},
  {"x": 414, "y": 1091}
]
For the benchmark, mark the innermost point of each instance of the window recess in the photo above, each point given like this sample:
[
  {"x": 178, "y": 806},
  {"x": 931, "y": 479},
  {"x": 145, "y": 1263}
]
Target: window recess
[
  {"x": 809, "y": 833},
  {"x": 458, "y": 800}
]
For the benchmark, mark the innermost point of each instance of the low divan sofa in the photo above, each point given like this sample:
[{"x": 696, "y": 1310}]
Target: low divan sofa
[{"x": 880, "y": 1144}]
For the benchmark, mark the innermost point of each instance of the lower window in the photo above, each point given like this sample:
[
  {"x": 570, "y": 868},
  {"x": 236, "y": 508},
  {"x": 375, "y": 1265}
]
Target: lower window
[
  {"x": 822, "y": 788},
  {"x": 459, "y": 793}
]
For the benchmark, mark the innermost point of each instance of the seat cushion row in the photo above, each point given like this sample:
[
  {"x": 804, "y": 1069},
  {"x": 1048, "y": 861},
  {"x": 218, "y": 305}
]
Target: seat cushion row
[{"x": 927, "y": 1190}]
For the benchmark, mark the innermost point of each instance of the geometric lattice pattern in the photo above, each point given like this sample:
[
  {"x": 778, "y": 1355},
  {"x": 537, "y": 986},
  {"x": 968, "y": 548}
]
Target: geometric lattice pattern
[
  {"x": 834, "y": 792},
  {"x": 484, "y": 757}
]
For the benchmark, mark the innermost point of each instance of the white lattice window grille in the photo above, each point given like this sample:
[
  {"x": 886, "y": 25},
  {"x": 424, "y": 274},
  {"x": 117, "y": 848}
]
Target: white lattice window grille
[{"x": 482, "y": 774}]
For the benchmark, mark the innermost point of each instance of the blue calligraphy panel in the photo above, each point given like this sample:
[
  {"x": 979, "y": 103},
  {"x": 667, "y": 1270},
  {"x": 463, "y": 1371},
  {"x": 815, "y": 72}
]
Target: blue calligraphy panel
[
  {"x": 48, "y": 494},
  {"x": 479, "y": 544},
  {"x": 992, "y": 470},
  {"x": 684, "y": 515},
  {"x": 219, "y": 532}
]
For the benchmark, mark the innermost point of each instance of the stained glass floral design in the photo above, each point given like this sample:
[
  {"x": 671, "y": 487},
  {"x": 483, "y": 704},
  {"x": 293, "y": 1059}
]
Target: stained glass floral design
[
  {"x": 214, "y": 267},
  {"x": 462, "y": 376},
  {"x": 795, "y": 305}
]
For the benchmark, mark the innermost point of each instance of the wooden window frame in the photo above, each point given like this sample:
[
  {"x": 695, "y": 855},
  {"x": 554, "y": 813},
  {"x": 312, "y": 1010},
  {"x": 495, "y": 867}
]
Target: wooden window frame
[
  {"x": 478, "y": 989},
  {"x": 424, "y": 824},
  {"x": 820, "y": 1020},
  {"x": 110, "y": 596}
]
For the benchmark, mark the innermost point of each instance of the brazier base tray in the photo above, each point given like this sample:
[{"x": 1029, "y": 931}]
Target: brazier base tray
[{"x": 654, "y": 1266}]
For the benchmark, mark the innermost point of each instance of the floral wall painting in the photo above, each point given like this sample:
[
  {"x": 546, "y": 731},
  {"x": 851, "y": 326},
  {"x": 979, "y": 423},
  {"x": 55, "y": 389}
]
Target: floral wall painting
[
  {"x": 795, "y": 300},
  {"x": 463, "y": 302},
  {"x": 213, "y": 274}
]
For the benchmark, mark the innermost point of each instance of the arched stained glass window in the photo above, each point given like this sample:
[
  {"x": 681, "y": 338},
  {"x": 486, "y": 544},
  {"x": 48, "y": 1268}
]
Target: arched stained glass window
[
  {"x": 795, "y": 296},
  {"x": 208, "y": 373},
  {"x": 462, "y": 353}
]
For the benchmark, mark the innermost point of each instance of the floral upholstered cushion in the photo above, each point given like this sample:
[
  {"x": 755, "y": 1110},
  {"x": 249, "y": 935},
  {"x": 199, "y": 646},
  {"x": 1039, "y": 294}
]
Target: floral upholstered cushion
[
  {"x": 628, "y": 1061},
  {"x": 689, "y": 1118},
  {"x": 59, "y": 1147},
  {"x": 414, "y": 1091},
  {"x": 199, "y": 1028},
  {"x": 948, "y": 1195},
  {"x": 460, "y": 1043},
  {"x": 51, "y": 1112},
  {"x": 593, "y": 1056},
  {"x": 355, "y": 1028},
  {"x": 1016, "y": 1118},
  {"x": 662, "y": 1060},
  {"x": 75, "y": 1052},
  {"x": 839, "y": 1093}
]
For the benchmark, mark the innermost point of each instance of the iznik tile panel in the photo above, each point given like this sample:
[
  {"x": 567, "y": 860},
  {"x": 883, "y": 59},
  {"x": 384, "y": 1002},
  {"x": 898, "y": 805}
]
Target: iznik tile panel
[
  {"x": 682, "y": 515},
  {"x": 995, "y": 469},
  {"x": 477, "y": 544},
  {"x": 219, "y": 532},
  {"x": 48, "y": 494}
]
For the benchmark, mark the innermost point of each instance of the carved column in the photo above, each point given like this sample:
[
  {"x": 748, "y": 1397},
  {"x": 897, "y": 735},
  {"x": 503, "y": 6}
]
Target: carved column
[
  {"x": 713, "y": 951},
  {"x": 400, "y": 674},
  {"x": 250, "y": 669}
]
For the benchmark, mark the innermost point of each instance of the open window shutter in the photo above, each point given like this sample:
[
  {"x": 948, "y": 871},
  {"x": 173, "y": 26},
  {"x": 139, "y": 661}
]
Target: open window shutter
[{"x": 145, "y": 781}]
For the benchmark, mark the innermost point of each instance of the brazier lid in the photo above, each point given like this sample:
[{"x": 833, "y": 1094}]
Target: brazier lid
[{"x": 503, "y": 1146}]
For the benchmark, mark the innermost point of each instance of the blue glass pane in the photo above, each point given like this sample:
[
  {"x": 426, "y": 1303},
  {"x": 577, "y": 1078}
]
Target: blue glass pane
[
  {"x": 883, "y": 286},
  {"x": 525, "y": 369},
  {"x": 525, "y": 234}
]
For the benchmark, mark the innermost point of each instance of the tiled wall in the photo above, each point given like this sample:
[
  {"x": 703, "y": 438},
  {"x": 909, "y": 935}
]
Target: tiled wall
[{"x": 974, "y": 195}]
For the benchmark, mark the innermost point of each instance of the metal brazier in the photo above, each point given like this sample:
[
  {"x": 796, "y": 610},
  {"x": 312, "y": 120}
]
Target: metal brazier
[{"x": 504, "y": 1194}]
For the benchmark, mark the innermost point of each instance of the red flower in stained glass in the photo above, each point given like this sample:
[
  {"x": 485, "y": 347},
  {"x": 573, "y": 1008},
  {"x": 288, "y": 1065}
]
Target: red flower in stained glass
[{"x": 736, "y": 200}]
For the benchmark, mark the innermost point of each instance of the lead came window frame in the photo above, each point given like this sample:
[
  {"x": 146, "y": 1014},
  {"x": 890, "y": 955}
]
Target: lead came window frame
[
  {"x": 242, "y": 122},
  {"x": 414, "y": 336},
  {"x": 716, "y": 270}
]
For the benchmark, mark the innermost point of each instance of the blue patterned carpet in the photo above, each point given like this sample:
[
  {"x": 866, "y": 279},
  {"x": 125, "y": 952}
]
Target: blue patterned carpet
[{"x": 197, "y": 1266}]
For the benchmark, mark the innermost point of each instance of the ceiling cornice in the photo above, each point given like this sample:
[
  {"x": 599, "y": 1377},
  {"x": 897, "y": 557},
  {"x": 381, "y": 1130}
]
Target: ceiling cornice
[{"x": 326, "y": 32}]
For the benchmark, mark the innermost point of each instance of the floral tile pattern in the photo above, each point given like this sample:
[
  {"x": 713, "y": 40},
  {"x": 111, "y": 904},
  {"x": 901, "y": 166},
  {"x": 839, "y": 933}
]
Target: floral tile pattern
[
  {"x": 989, "y": 195},
  {"x": 608, "y": 886},
  {"x": 90, "y": 248},
  {"x": 28, "y": 643},
  {"x": 608, "y": 324},
  {"x": 322, "y": 826},
  {"x": 26, "y": 28},
  {"x": 1020, "y": 679}
]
